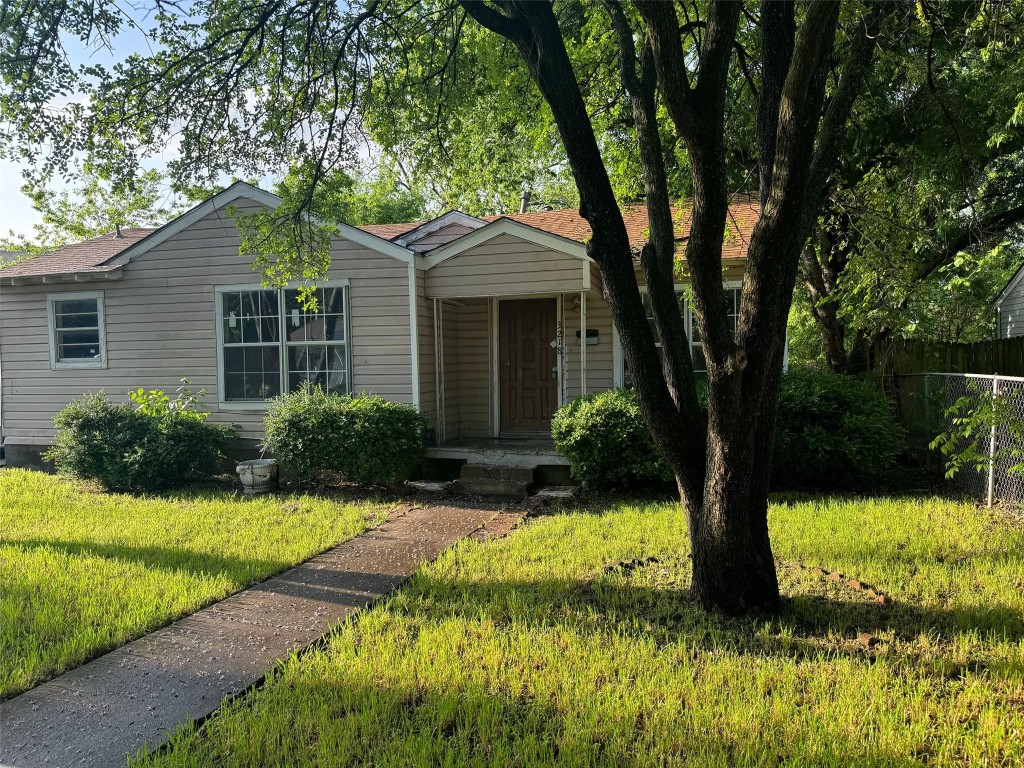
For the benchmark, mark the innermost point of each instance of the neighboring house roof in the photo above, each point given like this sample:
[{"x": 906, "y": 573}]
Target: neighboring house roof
[
  {"x": 1010, "y": 285},
  {"x": 568, "y": 223},
  {"x": 89, "y": 256},
  {"x": 391, "y": 231}
]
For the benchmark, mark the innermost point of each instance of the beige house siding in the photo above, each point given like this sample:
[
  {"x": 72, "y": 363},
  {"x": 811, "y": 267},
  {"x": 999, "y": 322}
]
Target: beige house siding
[
  {"x": 600, "y": 375},
  {"x": 451, "y": 333},
  {"x": 160, "y": 326},
  {"x": 506, "y": 266},
  {"x": 1011, "y": 313},
  {"x": 427, "y": 352},
  {"x": 474, "y": 403}
]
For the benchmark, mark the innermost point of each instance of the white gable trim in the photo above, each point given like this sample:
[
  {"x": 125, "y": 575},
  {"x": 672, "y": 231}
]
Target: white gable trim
[
  {"x": 1018, "y": 275},
  {"x": 239, "y": 190},
  {"x": 505, "y": 226},
  {"x": 442, "y": 221}
]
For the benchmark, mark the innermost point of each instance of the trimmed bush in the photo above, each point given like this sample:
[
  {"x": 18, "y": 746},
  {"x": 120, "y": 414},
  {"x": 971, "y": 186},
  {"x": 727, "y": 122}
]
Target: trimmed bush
[
  {"x": 366, "y": 439},
  {"x": 835, "y": 432},
  {"x": 606, "y": 442},
  {"x": 154, "y": 444}
]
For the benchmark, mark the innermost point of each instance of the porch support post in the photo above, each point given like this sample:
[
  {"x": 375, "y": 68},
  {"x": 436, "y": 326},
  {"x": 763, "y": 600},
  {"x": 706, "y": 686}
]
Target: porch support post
[{"x": 583, "y": 342}]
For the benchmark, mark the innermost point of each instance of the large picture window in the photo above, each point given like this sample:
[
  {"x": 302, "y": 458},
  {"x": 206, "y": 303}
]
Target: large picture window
[
  {"x": 77, "y": 337},
  {"x": 270, "y": 343}
]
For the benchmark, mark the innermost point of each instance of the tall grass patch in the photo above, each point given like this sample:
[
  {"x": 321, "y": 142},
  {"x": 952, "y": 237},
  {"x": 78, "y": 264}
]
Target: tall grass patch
[
  {"x": 82, "y": 572},
  {"x": 573, "y": 643}
]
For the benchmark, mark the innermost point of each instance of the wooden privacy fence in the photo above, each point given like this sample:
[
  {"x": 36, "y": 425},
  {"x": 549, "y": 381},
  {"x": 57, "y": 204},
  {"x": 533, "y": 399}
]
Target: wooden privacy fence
[{"x": 899, "y": 357}]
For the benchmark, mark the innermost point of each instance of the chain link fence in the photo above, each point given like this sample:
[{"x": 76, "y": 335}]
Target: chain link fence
[{"x": 922, "y": 402}]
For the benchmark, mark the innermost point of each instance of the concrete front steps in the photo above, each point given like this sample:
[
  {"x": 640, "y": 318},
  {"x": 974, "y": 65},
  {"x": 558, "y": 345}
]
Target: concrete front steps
[{"x": 495, "y": 480}]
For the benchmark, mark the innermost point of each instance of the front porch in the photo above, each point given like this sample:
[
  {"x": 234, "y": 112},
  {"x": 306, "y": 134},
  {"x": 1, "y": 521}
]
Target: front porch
[
  {"x": 506, "y": 452},
  {"x": 505, "y": 364}
]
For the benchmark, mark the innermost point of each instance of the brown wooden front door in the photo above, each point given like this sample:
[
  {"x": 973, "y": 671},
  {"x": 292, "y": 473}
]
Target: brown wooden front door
[{"x": 529, "y": 364}]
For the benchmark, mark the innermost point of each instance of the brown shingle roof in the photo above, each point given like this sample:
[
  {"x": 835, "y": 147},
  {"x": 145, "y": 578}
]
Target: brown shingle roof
[
  {"x": 390, "y": 231},
  {"x": 89, "y": 256},
  {"x": 568, "y": 223}
]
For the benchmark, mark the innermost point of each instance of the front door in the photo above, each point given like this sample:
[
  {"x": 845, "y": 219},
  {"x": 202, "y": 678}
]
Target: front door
[{"x": 528, "y": 357}]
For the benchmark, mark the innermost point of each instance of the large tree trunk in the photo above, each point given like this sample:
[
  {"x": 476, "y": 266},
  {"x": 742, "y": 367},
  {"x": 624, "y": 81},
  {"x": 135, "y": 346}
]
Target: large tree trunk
[{"x": 722, "y": 473}]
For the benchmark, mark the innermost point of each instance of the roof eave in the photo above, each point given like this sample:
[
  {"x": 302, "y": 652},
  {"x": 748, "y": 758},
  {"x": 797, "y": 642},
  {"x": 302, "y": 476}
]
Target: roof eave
[{"x": 60, "y": 278}]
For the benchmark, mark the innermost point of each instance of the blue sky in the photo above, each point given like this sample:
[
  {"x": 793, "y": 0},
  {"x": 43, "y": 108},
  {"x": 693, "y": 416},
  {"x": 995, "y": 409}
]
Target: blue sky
[{"x": 16, "y": 212}]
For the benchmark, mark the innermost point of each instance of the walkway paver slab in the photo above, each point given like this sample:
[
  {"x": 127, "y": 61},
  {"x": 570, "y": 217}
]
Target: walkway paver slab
[{"x": 102, "y": 712}]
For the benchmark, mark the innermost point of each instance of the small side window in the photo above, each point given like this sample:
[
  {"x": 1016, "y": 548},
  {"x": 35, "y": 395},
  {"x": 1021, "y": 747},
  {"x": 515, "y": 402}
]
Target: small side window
[{"x": 76, "y": 331}]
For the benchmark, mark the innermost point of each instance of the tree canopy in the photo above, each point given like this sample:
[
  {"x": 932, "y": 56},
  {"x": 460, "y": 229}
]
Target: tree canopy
[{"x": 93, "y": 207}]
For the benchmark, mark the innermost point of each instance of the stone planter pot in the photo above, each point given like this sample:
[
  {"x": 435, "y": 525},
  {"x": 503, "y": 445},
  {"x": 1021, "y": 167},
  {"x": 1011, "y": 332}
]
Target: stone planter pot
[{"x": 258, "y": 475}]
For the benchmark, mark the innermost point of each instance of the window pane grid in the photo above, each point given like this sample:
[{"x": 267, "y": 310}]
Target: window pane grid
[
  {"x": 733, "y": 296},
  {"x": 76, "y": 332},
  {"x": 273, "y": 343}
]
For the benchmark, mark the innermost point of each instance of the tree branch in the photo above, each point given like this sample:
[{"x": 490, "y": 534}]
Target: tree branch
[{"x": 993, "y": 225}]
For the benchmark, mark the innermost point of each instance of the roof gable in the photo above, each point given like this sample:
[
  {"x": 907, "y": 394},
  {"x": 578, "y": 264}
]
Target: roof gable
[
  {"x": 436, "y": 225},
  {"x": 1010, "y": 285},
  {"x": 106, "y": 255},
  {"x": 505, "y": 226},
  {"x": 241, "y": 189}
]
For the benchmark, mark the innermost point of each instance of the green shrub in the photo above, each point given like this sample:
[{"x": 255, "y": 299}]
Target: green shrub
[
  {"x": 606, "y": 442},
  {"x": 365, "y": 439},
  {"x": 155, "y": 443},
  {"x": 833, "y": 432}
]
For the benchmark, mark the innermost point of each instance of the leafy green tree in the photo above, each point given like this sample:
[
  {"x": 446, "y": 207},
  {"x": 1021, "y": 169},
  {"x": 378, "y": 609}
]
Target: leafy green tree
[
  {"x": 379, "y": 199},
  {"x": 925, "y": 213},
  {"x": 649, "y": 91},
  {"x": 94, "y": 207}
]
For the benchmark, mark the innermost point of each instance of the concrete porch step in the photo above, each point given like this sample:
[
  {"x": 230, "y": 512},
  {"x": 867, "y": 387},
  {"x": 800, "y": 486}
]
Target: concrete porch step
[
  {"x": 495, "y": 480},
  {"x": 500, "y": 472},
  {"x": 492, "y": 488}
]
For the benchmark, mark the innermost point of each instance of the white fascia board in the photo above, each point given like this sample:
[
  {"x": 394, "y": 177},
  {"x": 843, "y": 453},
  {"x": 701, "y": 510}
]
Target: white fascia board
[
  {"x": 1018, "y": 275},
  {"x": 63, "y": 277},
  {"x": 239, "y": 190},
  {"x": 500, "y": 227},
  {"x": 442, "y": 221}
]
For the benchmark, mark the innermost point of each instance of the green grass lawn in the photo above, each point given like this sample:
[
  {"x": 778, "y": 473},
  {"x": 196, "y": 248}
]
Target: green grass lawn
[
  {"x": 82, "y": 571},
  {"x": 542, "y": 649}
]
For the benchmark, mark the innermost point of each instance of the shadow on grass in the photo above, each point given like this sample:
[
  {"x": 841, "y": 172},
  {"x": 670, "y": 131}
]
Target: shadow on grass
[
  {"x": 309, "y": 721},
  {"x": 197, "y": 563},
  {"x": 809, "y": 625}
]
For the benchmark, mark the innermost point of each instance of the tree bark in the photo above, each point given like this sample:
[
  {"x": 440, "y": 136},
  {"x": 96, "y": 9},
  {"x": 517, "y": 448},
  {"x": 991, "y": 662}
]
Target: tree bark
[{"x": 723, "y": 480}]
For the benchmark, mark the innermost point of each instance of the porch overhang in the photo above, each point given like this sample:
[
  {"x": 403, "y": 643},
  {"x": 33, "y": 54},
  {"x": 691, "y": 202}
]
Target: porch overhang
[{"x": 507, "y": 258}]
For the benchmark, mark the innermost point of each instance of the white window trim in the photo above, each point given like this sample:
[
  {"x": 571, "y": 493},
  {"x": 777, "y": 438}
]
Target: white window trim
[
  {"x": 619, "y": 361},
  {"x": 56, "y": 364},
  {"x": 223, "y": 403}
]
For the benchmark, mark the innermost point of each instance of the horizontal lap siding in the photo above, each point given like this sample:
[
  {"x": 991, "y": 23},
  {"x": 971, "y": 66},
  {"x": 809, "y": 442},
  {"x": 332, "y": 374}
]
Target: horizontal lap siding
[
  {"x": 1011, "y": 313},
  {"x": 160, "y": 327},
  {"x": 474, "y": 369},
  {"x": 427, "y": 353},
  {"x": 451, "y": 315},
  {"x": 506, "y": 266},
  {"x": 599, "y": 356}
]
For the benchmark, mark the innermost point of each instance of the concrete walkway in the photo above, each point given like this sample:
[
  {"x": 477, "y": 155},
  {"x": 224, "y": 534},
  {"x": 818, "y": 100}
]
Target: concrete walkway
[{"x": 98, "y": 714}]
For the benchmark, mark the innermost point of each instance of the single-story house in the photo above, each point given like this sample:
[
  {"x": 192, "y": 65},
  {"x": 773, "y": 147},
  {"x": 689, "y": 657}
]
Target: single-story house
[{"x": 486, "y": 325}]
